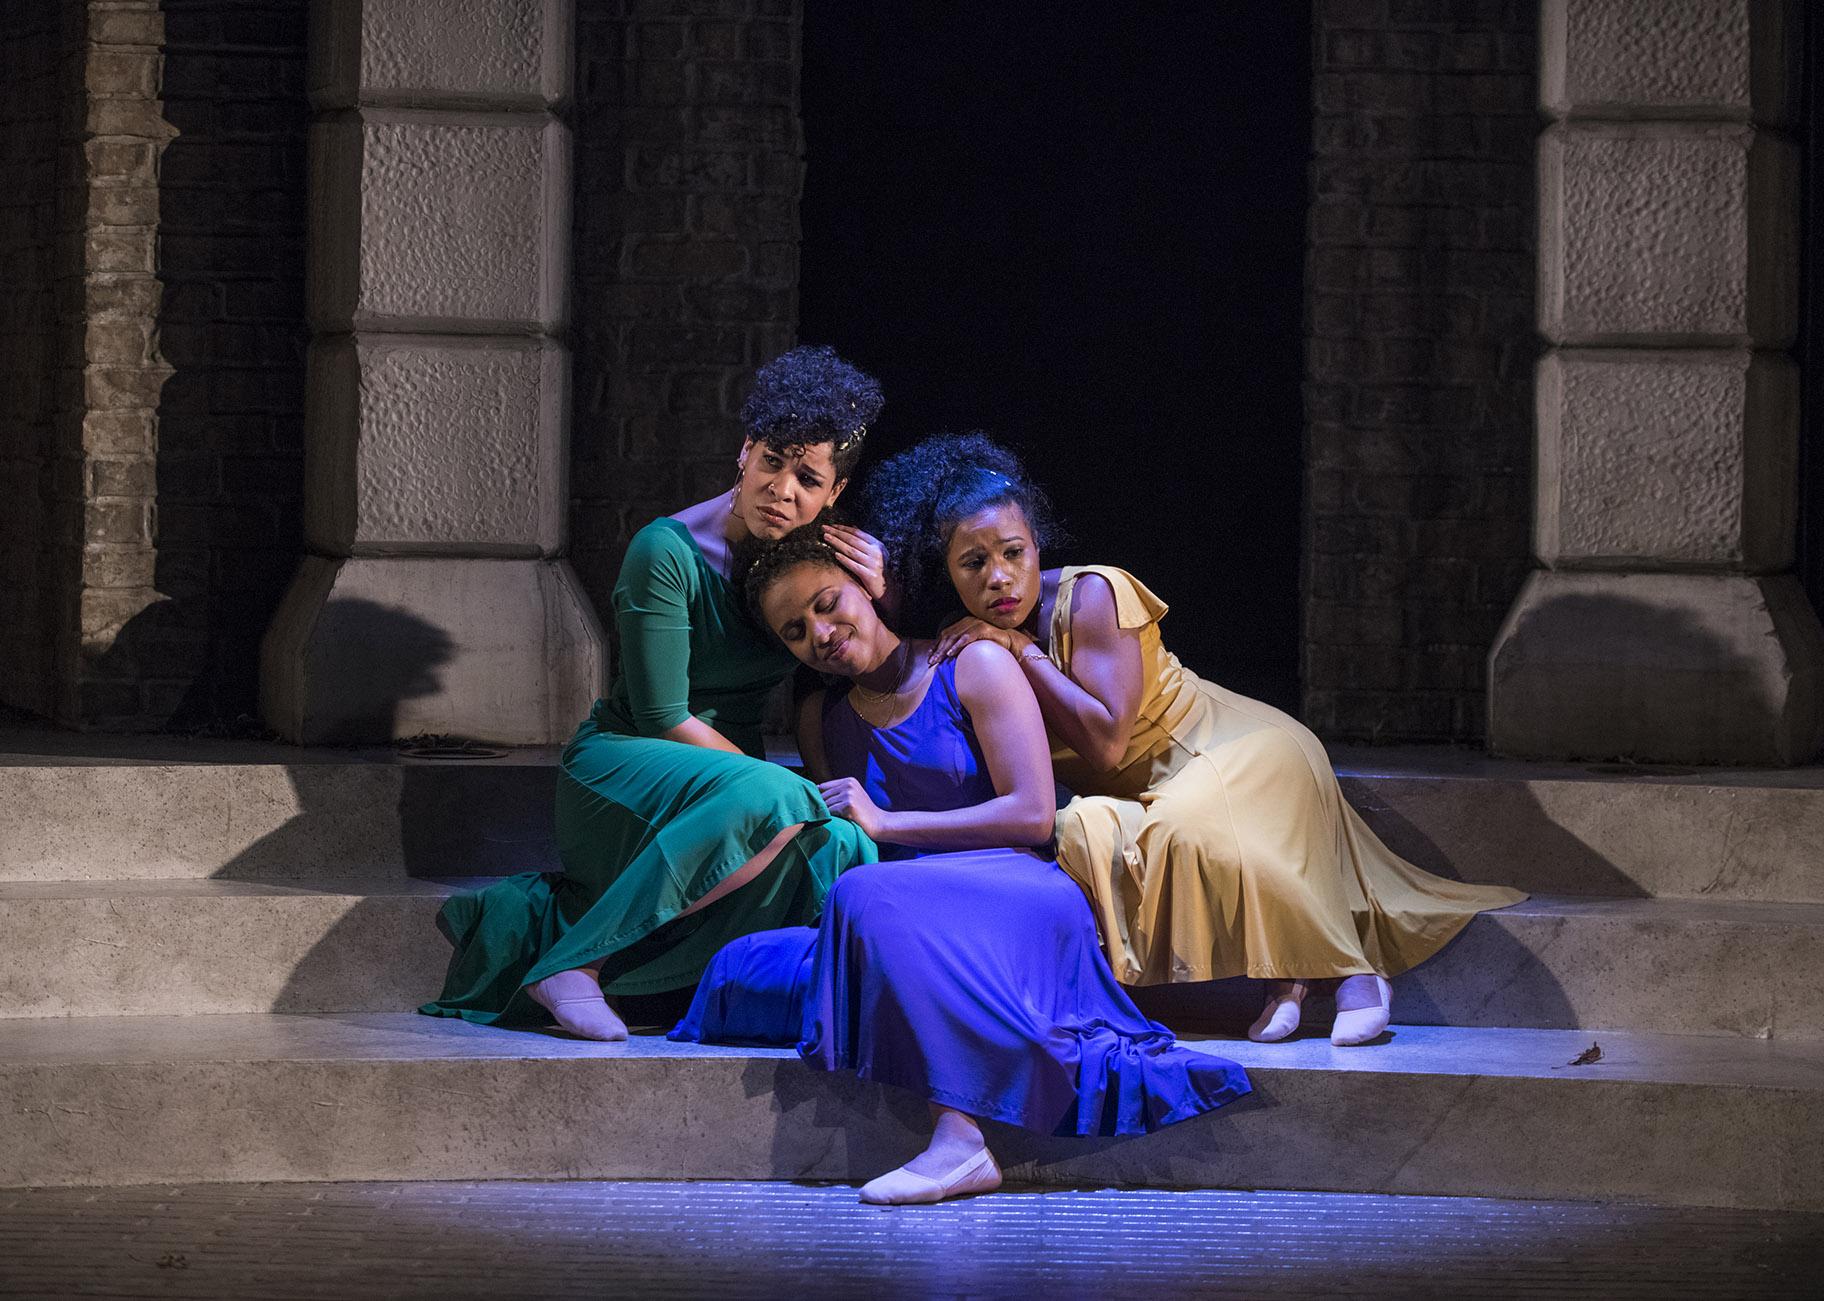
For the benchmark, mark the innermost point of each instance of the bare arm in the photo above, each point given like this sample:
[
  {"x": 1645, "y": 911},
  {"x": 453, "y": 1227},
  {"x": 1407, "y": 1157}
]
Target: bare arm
[
  {"x": 1092, "y": 708},
  {"x": 810, "y": 737},
  {"x": 1012, "y": 736}
]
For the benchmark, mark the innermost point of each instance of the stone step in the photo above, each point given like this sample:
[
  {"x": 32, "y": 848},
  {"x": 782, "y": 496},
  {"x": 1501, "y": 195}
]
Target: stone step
[
  {"x": 329, "y": 816},
  {"x": 1606, "y": 830},
  {"x": 136, "y": 948},
  {"x": 115, "y": 808},
  {"x": 1689, "y": 1121},
  {"x": 1671, "y": 966},
  {"x": 142, "y": 948}
]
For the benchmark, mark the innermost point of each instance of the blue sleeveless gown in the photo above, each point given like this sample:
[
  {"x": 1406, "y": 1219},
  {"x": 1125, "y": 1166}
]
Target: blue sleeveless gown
[{"x": 973, "y": 979}]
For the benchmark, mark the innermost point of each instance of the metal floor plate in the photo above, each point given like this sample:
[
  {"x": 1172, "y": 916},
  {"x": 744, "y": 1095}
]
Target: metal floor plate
[{"x": 450, "y": 1240}]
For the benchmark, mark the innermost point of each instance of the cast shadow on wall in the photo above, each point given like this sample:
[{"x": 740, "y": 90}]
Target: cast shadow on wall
[{"x": 370, "y": 832}]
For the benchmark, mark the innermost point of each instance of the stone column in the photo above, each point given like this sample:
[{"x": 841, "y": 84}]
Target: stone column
[
  {"x": 1665, "y": 624},
  {"x": 111, "y": 371},
  {"x": 435, "y": 596}
]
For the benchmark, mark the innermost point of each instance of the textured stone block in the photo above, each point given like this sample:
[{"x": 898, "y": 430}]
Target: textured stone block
[
  {"x": 1697, "y": 58},
  {"x": 419, "y": 445},
  {"x": 112, "y": 948},
  {"x": 1666, "y": 459},
  {"x": 1671, "y": 668},
  {"x": 1657, "y": 965},
  {"x": 1561, "y": 829},
  {"x": 278, "y": 817},
  {"x": 440, "y": 222},
  {"x": 137, "y": 948},
  {"x": 1667, "y": 234},
  {"x": 468, "y": 53},
  {"x": 372, "y": 649},
  {"x": 1706, "y": 1121}
]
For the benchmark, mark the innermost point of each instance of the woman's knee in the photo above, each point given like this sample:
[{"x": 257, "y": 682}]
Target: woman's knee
[
  {"x": 763, "y": 784},
  {"x": 1097, "y": 822},
  {"x": 858, "y": 889}
]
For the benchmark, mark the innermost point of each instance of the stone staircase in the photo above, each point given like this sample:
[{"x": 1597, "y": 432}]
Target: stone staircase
[{"x": 212, "y": 949}]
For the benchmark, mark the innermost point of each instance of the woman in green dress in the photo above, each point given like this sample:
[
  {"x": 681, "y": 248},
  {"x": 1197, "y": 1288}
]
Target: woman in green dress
[{"x": 674, "y": 833}]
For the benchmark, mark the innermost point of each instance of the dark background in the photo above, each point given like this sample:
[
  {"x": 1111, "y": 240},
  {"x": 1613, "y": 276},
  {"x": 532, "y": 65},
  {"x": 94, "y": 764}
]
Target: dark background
[
  {"x": 1086, "y": 238},
  {"x": 1810, "y": 352}
]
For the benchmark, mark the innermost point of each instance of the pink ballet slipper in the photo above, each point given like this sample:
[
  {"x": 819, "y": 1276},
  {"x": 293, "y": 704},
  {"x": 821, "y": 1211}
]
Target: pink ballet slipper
[
  {"x": 1358, "y": 1021},
  {"x": 1279, "y": 1018},
  {"x": 574, "y": 1000},
  {"x": 903, "y": 1187}
]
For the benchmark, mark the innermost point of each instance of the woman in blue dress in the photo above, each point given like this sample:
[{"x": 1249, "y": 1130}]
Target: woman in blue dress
[{"x": 965, "y": 965}]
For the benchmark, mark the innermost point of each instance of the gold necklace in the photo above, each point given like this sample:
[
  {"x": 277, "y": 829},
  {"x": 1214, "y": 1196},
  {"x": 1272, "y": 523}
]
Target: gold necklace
[{"x": 899, "y": 681}]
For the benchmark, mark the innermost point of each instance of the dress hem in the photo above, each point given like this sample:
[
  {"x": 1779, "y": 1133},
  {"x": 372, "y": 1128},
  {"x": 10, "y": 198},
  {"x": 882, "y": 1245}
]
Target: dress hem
[
  {"x": 626, "y": 939},
  {"x": 1258, "y": 971},
  {"x": 1016, "y": 1117}
]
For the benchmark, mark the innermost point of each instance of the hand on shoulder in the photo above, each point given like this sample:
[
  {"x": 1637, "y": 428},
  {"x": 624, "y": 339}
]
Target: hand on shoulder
[{"x": 971, "y": 631}]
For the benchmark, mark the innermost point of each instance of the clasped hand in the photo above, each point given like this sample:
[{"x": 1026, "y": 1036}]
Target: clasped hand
[
  {"x": 968, "y": 629},
  {"x": 848, "y": 798}
]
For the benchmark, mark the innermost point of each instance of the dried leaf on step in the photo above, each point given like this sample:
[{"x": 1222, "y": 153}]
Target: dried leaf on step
[{"x": 1588, "y": 1057}]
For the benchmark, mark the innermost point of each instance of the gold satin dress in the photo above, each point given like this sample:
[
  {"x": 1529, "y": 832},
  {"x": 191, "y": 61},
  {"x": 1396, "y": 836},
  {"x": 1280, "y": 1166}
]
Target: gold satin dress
[{"x": 1221, "y": 844}]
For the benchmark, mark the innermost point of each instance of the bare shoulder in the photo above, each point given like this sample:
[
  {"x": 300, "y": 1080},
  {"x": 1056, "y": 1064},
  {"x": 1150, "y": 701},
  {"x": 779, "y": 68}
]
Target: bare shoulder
[
  {"x": 1092, "y": 605},
  {"x": 985, "y": 667}
]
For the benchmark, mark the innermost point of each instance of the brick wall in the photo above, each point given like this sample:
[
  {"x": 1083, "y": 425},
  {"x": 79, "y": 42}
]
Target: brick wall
[
  {"x": 151, "y": 445},
  {"x": 32, "y": 74},
  {"x": 1419, "y": 315},
  {"x": 231, "y": 327},
  {"x": 688, "y": 171}
]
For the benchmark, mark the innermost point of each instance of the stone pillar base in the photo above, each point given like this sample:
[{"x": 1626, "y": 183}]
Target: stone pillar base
[
  {"x": 372, "y": 649},
  {"x": 1669, "y": 668}
]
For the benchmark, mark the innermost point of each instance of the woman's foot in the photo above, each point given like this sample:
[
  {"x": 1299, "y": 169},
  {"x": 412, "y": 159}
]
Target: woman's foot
[
  {"x": 956, "y": 1164},
  {"x": 906, "y": 1187},
  {"x": 1364, "y": 1004},
  {"x": 1279, "y": 1018},
  {"x": 574, "y": 1000}
]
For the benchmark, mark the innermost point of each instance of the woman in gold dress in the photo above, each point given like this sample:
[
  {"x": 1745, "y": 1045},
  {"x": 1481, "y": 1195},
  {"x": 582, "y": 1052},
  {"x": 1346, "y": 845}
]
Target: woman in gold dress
[{"x": 1208, "y": 829}]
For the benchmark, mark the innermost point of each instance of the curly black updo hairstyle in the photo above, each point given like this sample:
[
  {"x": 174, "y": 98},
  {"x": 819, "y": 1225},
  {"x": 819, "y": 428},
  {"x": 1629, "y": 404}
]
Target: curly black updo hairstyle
[
  {"x": 810, "y": 395},
  {"x": 914, "y": 501},
  {"x": 760, "y": 563}
]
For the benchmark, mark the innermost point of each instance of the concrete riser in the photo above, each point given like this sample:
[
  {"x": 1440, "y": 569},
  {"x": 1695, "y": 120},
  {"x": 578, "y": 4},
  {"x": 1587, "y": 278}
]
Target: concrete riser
[
  {"x": 1602, "y": 971},
  {"x": 772, "y": 1118},
  {"x": 1610, "y": 838},
  {"x": 306, "y": 822},
  {"x": 168, "y": 956},
  {"x": 1539, "y": 965},
  {"x": 321, "y": 822}
]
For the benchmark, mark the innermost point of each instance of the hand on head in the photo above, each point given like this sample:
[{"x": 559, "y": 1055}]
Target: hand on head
[
  {"x": 960, "y": 519},
  {"x": 800, "y": 588},
  {"x": 862, "y": 555}
]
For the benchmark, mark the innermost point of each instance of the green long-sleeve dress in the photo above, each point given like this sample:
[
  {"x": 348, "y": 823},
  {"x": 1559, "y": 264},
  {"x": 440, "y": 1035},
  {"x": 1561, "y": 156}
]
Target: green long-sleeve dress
[{"x": 646, "y": 826}]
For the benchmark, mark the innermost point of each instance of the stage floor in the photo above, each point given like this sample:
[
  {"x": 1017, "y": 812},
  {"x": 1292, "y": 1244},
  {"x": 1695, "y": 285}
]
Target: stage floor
[{"x": 449, "y": 1240}]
